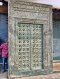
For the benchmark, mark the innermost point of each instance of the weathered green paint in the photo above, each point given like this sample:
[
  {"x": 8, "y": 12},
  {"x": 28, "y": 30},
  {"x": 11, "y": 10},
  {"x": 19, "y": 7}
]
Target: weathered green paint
[{"x": 30, "y": 16}]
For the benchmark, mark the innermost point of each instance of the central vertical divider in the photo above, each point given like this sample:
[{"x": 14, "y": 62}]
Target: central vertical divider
[
  {"x": 42, "y": 49},
  {"x": 30, "y": 47},
  {"x": 15, "y": 39}
]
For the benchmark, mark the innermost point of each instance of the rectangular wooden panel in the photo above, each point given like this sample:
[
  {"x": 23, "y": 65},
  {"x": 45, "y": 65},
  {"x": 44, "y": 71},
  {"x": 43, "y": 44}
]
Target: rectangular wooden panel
[
  {"x": 23, "y": 46},
  {"x": 36, "y": 46},
  {"x": 28, "y": 46}
]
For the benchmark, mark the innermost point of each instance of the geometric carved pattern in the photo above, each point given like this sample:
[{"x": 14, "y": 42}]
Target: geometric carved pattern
[
  {"x": 29, "y": 46},
  {"x": 30, "y": 39},
  {"x": 36, "y": 46}
]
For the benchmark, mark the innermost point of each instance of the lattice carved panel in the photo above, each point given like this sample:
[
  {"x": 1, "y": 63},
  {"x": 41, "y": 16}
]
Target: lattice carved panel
[{"x": 28, "y": 46}]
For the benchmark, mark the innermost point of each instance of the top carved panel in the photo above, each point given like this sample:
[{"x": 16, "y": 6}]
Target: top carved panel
[{"x": 29, "y": 6}]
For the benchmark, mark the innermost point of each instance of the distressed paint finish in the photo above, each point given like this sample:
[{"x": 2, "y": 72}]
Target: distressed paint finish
[{"x": 30, "y": 13}]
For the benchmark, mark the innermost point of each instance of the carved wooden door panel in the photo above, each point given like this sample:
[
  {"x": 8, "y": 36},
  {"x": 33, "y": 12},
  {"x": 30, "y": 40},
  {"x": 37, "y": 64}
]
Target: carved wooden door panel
[
  {"x": 36, "y": 46},
  {"x": 29, "y": 46},
  {"x": 23, "y": 46}
]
